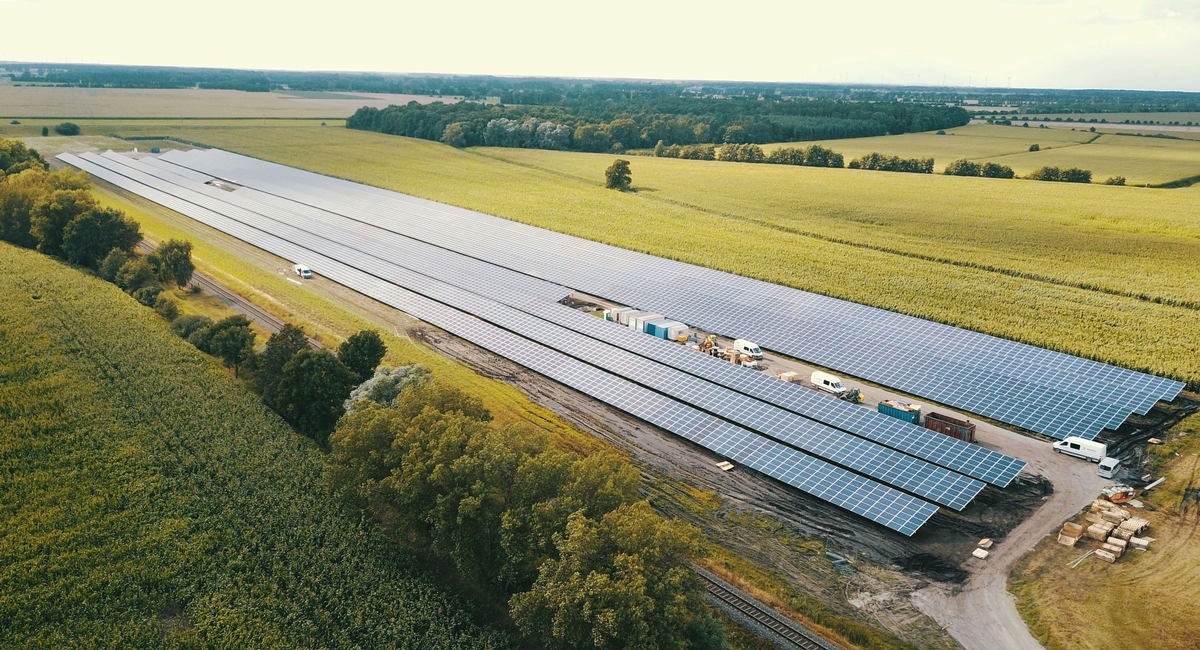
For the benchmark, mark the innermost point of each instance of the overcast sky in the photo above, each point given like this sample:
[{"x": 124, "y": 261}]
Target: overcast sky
[{"x": 1137, "y": 44}]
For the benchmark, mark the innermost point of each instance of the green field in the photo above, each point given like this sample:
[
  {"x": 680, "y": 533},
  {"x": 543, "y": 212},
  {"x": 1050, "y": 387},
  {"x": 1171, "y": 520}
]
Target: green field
[
  {"x": 1105, "y": 272},
  {"x": 151, "y": 501},
  {"x": 1139, "y": 159},
  {"x": 1118, "y": 118},
  {"x": 50, "y": 101}
]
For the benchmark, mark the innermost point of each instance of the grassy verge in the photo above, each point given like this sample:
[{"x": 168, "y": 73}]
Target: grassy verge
[{"x": 1146, "y": 599}]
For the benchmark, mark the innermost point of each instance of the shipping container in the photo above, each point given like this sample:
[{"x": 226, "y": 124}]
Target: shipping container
[
  {"x": 656, "y": 327},
  {"x": 638, "y": 323},
  {"x": 910, "y": 413},
  {"x": 624, "y": 316},
  {"x": 949, "y": 425}
]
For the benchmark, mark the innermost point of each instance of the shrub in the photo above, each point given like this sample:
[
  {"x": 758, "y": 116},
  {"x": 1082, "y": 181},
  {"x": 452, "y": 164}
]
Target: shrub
[
  {"x": 166, "y": 307},
  {"x": 1034, "y": 147},
  {"x": 67, "y": 128},
  {"x": 962, "y": 167},
  {"x": 185, "y": 326},
  {"x": 148, "y": 296},
  {"x": 1115, "y": 180}
]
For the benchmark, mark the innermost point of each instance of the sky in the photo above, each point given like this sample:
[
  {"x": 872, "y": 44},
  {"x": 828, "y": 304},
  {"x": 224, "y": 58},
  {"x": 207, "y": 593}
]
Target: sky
[{"x": 1119, "y": 44}]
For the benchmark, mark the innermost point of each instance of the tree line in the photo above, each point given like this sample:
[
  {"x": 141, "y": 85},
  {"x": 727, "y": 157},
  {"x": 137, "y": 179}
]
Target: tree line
[
  {"x": 566, "y": 542},
  {"x": 600, "y": 126}
]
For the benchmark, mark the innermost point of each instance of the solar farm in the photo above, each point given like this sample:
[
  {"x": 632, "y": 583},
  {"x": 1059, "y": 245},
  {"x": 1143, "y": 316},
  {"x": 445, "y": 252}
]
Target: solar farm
[{"x": 499, "y": 285}]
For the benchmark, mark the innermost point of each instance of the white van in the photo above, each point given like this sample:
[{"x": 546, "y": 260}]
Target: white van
[
  {"x": 748, "y": 348},
  {"x": 828, "y": 383},
  {"x": 1089, "y": 450},
  {"x": 1109, "y": 467},
  {"x": 302, "y": 271}
]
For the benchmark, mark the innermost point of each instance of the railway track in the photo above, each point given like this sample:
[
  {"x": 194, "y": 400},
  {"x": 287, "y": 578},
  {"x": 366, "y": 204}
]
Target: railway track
[
  {"x": 782, "y": 631},
  {"x": 252, "y": 311}
]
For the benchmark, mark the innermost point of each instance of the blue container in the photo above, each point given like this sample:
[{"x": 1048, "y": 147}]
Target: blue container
[
  {"x": 658, "y": 327},
  {"x": 901, "y": 411}
]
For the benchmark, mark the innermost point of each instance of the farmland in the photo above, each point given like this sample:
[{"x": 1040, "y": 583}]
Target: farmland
[
  {"x": 1096, "y": 274},
  {"x": 151, "y": 501},
  {"x": 1139, "y": 159},
  {"x": 49, "y": 101}
]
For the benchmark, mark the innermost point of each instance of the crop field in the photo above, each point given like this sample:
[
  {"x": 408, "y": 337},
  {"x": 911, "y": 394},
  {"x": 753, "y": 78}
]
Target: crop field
[
  {"x": 149, "y": 500},
  {"x": 1104, "y": 272},
  {"x": 1117, "y": 118},
  {"x": 1124, "y": 606},
  {"x": 1139, "y": 159},
  {"x": 49, "y": 101}
]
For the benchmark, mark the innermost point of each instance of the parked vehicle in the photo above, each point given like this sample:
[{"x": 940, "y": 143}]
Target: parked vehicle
[
  {"x": 302, "y": 271},
  {"x": 828, "y": 383},
  {"x": 1109, "y": 467},
  {"x": 1089, "y": 450},
  {"x": 748, "y": 348}
]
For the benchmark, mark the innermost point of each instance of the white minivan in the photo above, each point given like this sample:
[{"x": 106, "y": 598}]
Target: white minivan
[
  {"x": 1086, "y": 449},
  {"x": 1109, "y": 467},
  {"x": 302, "y": 271},
  {"x": 828, "y": 383},
  {"x": 748, "y": 348}
]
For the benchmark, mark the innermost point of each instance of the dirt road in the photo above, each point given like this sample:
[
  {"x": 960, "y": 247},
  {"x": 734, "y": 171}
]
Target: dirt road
[{"x": 980, "y": 613}]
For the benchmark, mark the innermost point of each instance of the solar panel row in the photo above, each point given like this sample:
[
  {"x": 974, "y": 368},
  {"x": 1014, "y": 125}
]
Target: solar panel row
[
  {"x": 1042, "y": 390},
  {"x": 368, "y": 253},
  {"x": 863, "y": 496}
]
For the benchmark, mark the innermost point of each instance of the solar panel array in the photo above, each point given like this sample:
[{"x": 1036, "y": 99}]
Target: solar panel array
[
  {"x": 871, "y": 499},
  {"x": 898, "y": 469},
  {"x": 1041, "y": 390}
]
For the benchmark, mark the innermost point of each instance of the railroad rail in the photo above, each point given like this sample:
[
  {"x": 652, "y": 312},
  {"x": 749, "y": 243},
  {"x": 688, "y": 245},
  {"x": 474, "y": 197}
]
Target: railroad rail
[
  {"x": 780, "y": 630},
  {"x": 252, "y": 311}
]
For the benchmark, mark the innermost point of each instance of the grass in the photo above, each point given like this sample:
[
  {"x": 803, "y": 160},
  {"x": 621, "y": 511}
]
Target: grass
[
  {"x": 150, "y": 500},
  {"x": 1104, "y": 272},
  {"x": 1146, "y": 599},
  {"x": 1140, "y": 160}
]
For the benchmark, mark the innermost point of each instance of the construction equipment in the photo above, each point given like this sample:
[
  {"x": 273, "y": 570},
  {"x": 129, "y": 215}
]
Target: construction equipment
[{"x": 853, "y": 396}]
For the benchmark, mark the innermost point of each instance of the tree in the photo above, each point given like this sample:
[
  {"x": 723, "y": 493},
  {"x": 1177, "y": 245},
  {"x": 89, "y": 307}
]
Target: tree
[
  {"x": 311, "y": 391},
  {"x": 962, "y": 167},
  {"x": 185, "y": 326},
  {"x": 232, "y": 340},
  {"x": 166, "y": 307},
  {"x": 1034, "y": 147},
  {"x": 51, "y": 213},
  {"x": 455, "y": 135},
  {"x": 362, "y": 352},
  {"x": 386, "y": 385},
  {"x": 147, "y": 295},
  {"x": 1046, "y": 174},
  {"x": 112, "y": 263},
  {"x": 91, "y": 236},
  {"x": 280, "y": 348},
  {"x": 617, "y": 176},
  {"x": 175, "y": 262},
  {"x": 1076, "y": 175},
  {"x": 619, "y": 581},
  {"x": 134, "y": 274},
  {"x": 15, "y": 158},
  {"x": 45, "y": 131},
  {"x": 996, "y": 170},
  {"x": 67, "y": 128},
  {"x": 1115, "y": 180}
]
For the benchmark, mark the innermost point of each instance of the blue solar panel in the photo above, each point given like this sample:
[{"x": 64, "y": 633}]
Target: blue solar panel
[
  {"x": 870, "y": 499},
  {"x": 368, "y": 253}
]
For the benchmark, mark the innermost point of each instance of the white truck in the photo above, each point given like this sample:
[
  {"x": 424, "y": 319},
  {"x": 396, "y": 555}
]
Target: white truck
[
  {"x": 827, "y": 382},
  {"x": 1089, "y": 450},
  {"x": 302, "y": 271},
  {"x": 748, "y": 348}
]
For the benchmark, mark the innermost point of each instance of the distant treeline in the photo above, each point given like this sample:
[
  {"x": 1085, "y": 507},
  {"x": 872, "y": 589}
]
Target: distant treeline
[{"x": 599, "y": 126}]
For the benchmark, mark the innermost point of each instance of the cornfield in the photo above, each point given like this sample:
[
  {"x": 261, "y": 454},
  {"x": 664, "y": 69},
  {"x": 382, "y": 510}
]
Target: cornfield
[{"x": 149, "y": 500}]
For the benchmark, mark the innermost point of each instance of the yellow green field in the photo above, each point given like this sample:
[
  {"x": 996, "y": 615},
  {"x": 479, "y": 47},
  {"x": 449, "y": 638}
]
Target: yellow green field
[
  {"x": 49, "y": 101},
  {"x": 1139, "y": 159},
  {"x": 1124, "y": 606},
  {"x": 1084, "y": 269},
  {"x": 1182, "y": 117}
]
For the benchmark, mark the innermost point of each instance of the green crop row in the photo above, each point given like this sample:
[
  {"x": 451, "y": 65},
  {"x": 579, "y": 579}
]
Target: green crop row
[{"x": 149, "y": 500}]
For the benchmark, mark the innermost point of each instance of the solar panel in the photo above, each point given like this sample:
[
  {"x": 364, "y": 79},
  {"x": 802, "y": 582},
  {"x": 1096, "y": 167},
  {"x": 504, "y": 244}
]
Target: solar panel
[
  {"x": 885, "y": 464},
  {"x": 863, "y": 496},
  {"x": 1069, "y": 383}
]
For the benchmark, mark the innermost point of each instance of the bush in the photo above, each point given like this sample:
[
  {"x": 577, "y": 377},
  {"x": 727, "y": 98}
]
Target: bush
[
  {"x": 166, "y": 307},
  {"x": 1115, "y": 180},
  {"x": 940, "y": 132},
  {"x": 1034, "y": 147},
  {"x": 67, "y": 128},
  {"x": 962, "y": 167},
  {"x": 112, "y": 263},
  {"x": 185, "y": 326},
  {"x": 148, "y": 296}
]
